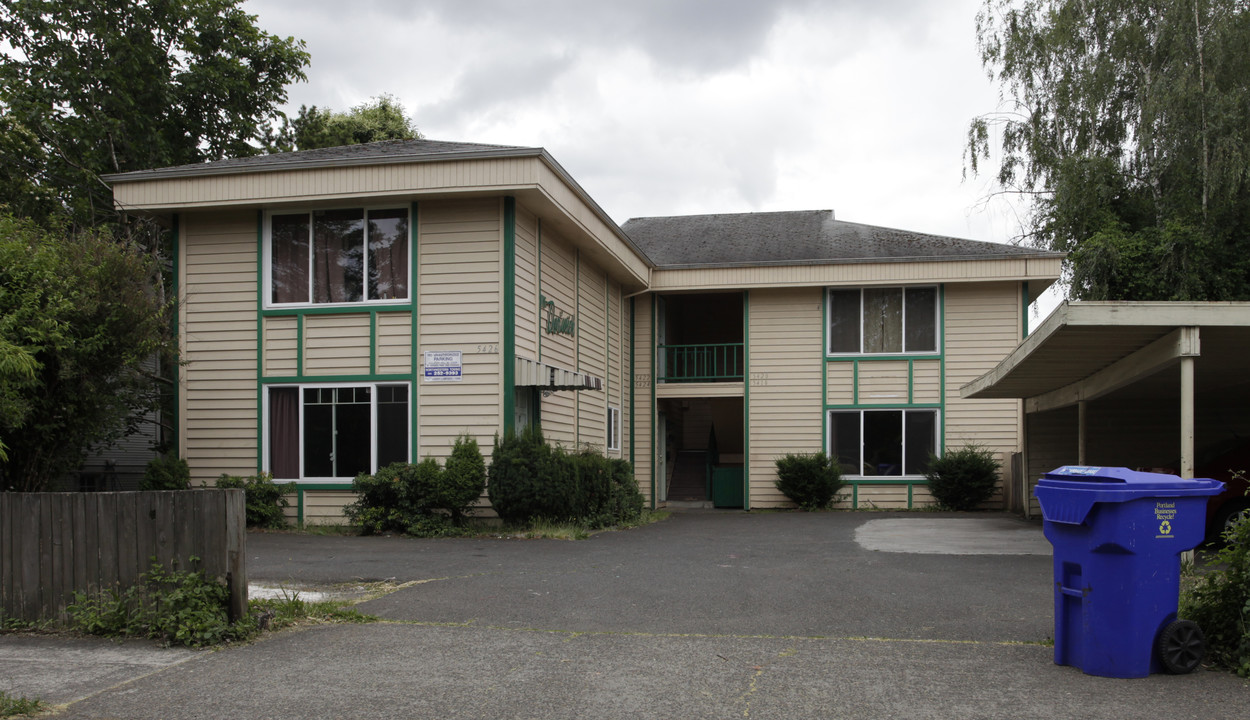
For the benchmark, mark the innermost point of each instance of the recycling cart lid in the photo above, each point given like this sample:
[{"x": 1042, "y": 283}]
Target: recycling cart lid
[{"x": 1068, "y": 494}]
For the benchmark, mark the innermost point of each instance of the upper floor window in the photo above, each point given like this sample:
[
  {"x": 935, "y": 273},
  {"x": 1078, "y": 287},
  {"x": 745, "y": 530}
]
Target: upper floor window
[
  {"x": 338, "y": 256},
  {"x": 883, "y": 320}
]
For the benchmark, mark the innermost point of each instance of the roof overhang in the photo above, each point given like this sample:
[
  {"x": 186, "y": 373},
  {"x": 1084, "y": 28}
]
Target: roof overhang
[
  {"x": 1087, "y": 350},
  {"x": 531, "y": 175}
]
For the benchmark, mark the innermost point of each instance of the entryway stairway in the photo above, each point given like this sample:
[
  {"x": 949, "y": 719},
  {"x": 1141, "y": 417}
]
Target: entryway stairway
[{"x": 688, "y": 484}]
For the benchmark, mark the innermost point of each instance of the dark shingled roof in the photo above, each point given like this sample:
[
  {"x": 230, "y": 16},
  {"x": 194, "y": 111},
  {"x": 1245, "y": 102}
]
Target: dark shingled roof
[
  {"x": 807, "y": 237},
  {"x": 386, "y": 151}
]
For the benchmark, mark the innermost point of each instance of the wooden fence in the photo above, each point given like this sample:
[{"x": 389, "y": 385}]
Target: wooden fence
[{"x": 55, "y": 544}]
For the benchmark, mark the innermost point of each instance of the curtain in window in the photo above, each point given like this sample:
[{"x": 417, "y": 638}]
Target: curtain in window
[
  {"x": 921, "y": 319},
  {"x": 883, "y": 320},
  {"x": 844, "y": 316},
  {"x": 289, "y": 258},
  {"x": 284, "y": 433},
  {"x": 388, "y": 254},
  {"x": 338, "y": 256}
]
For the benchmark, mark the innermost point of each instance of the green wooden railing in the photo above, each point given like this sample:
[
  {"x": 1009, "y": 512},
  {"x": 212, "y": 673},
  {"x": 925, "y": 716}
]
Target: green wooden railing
[{"x": 701, "y": 363}]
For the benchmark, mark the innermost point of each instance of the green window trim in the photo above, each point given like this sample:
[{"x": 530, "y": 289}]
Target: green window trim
[{"x": 509, "y": 315}]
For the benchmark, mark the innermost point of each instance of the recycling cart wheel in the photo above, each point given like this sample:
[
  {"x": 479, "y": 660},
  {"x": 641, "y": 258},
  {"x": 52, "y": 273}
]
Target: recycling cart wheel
[{"x": 1181, "y": 647}]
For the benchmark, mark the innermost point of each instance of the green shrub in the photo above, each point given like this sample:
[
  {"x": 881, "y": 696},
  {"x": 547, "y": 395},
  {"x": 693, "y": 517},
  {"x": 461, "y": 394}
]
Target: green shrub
[
  {"x": 811, "y": 481},
  {"x": 464, "y": 479},
  {"x": 265, "y": 501},
  {"x": 1220, "y": 602},
  {"x": 166, "y": 472},
  {"x": 179, "y": 607},
  {"x": 963, "y": 479},
  {"x": 531, "y": 480},
  {"x": 424, "y": 499}
]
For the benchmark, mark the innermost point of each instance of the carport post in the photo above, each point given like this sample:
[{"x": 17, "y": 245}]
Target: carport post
[
  {"x": 1080, "y": 433},
  {"x": 1187, "y": 417}
]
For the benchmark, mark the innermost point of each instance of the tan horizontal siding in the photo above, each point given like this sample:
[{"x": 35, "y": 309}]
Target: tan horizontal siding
[
  {"x": 983, "y": 324},
  {"x": 883, "y": 382},
  {"x": 394, "y": 343},
  {"x": 281, "y": 346},
  {"x": 324, "y": 507},
  {"x": 644, "y": 410},
  {"x": 336, "y": 344},
  {"x": 841, "y": 383},
  {"x": 592, "y": 318},
  {"x": 785, "y": 405},
  {"x": 460, "y": 307},
  {"x": 527, "y": 225},
  {"x": 218, "y": 324},
  {"x": 324, "y": 184},
  {"x": 927, "y": 381}
]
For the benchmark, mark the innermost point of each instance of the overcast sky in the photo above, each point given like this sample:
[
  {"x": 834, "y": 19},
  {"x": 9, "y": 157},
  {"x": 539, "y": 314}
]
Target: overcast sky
[{"x": 675, "y": 107}]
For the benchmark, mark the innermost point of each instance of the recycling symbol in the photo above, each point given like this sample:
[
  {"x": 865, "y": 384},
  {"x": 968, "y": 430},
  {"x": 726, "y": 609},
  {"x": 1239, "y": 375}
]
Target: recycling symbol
[{"x": 1165, "y": 527}]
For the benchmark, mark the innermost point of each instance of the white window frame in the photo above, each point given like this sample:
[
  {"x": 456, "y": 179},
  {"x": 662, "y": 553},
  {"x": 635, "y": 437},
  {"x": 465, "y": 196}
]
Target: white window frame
[
  {"x": 614, "y": 428},
  {"x": 373, "y": 426},
  {"x": 832, "y": 452},
  {"x": 937, "y": 321},
  {"x": 267, "y": 258}
]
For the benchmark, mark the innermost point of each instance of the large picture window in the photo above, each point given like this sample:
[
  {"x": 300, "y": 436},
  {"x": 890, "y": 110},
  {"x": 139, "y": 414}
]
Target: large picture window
[
  {"x": 883, "y": 320},
  {"x": 336, "y": 432},
  {"x": 883, "y": 442},
  {"x": 338, "y": 256}
]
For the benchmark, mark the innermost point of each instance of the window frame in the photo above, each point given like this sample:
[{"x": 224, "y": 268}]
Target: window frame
[
  {"x": 614, "y": 428},
  {"x": 904, "y": 473},
  {"x": 267, "y": 258},
  {"x": 937, "y": 321},
  {"x": 266, "y": 419}
]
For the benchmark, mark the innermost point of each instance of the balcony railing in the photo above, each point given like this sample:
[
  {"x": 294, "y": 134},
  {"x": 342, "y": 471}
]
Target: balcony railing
[{"x": 700, "y": 363}]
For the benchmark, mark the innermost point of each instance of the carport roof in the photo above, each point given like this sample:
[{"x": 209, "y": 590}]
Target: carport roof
[{"x": 1086, "y": 350}]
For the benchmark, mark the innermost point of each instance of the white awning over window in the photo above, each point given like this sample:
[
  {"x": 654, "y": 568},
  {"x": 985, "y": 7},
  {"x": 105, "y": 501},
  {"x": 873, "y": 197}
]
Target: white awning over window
[{"x": 550, "y": 377}]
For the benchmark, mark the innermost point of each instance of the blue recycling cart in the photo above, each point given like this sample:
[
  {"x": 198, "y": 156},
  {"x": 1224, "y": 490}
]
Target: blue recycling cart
[{"x": 1118, "y": 535}]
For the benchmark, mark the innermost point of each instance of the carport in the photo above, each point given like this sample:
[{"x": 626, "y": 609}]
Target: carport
[{"x": 1152, "y": 385}]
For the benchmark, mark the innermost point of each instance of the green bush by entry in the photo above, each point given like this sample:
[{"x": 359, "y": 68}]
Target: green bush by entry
[
  {"x": 531, "y": 480},
  {"x": 265, "y": 501},
  {"x": 811, "y": 481},
  {"x": 1220, "y": 602},
  {"x": 421, "y": 499},
  {"x": 963, "y": 479}
]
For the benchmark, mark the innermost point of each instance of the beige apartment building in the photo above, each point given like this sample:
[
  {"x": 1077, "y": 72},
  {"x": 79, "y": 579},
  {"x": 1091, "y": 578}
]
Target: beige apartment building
[{"x": 349, "y": 307}]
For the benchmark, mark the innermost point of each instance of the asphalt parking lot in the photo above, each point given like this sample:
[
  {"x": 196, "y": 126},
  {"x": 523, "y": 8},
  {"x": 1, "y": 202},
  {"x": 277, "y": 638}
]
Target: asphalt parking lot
[{"x": 706, "y": 614}]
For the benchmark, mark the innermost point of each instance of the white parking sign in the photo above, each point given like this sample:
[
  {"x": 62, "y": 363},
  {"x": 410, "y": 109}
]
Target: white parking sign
[{"x": 442, "y": 366}]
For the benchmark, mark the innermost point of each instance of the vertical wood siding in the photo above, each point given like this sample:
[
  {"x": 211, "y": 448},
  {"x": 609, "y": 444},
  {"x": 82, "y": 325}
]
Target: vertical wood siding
[
  {"x": 219, "y": 334},
  {"x": 459, "y": 301},
  {"x": 785, "y": 384}
]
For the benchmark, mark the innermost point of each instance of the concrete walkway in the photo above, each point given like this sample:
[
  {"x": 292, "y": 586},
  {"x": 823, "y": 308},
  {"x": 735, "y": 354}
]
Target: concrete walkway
[{"x": 705, "y": 615}]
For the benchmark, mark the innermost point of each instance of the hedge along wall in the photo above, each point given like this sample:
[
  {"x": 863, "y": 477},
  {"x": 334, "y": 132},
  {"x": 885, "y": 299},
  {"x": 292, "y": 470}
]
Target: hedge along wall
[{"x": 55, "y": 544}]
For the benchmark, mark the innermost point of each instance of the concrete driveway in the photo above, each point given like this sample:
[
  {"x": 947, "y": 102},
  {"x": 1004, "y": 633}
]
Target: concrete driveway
[{"x": 707, "y": 614}]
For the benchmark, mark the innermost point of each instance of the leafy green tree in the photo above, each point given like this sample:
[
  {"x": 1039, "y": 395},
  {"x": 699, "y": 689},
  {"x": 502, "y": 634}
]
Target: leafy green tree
[
  {"x": 382, "y": 118},
  {"x": 1126, "y": 123},
  {"x": 80, "y": 315},
  {"x": 89, "y": 87}
]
